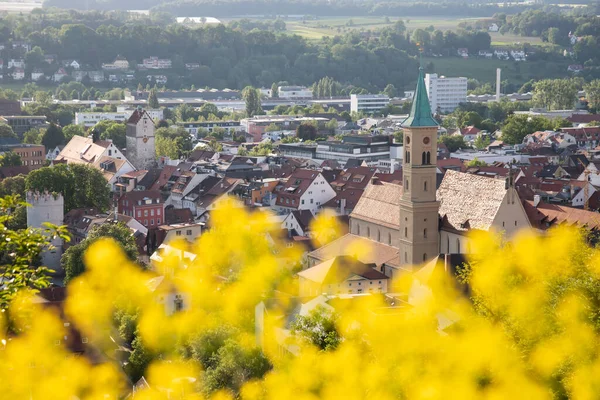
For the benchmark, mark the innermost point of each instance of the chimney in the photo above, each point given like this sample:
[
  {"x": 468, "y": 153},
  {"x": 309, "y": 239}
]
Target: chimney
[
  {"x": 536, "y": 200},
  {"x": 498, "y": 82},
  {"x": 374, "y": 180}
]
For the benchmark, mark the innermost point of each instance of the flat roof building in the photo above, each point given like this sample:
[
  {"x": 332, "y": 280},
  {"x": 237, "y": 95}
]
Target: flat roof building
[
  {"x": 445, "y": 94},
  {"x": 368, "y": 103}
]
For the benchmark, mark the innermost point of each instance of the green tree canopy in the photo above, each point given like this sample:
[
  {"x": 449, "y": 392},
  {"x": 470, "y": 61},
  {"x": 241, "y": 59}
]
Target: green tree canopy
[
  {"x": 306, "y": 131},
  {"x": 53, "y": 136},
  {"x": 518, "y": 126},
  {"x": 153, "y": 100},
  {"x": 71, "y": 130},
  {"x": 82, "y": 186},
  {"x": 116, "y": 133},
  {"x": 72, "y": 260},
  {"x": 7, "y": 131},
  {"x": 318, "y": 328},
  {"x": 10, "y": 159},
  {"x": 251, "y": 98},
  {"x": 453, "y": 142}
]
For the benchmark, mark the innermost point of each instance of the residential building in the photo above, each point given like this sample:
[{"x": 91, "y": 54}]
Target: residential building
[
  {"x": 156, "y": 63},
  {"x": 37, "y": 74},
  {"x": 53, "y": 153},
  {"x": 298, "y": 222},
  {"x": 342, "y": 275},
  {"x": 10, "y": 107},
  {"x": 16, "y": 63},
  {"x": 18, "y": 74},
  {"x": 304, "y": 190},
  {"x": 493, "y": 27},
  {"x": 89, "y": 119},
  {"x": 445, "y": 94},
  {"x": 368, "y": 103},
  {"x": 257, "y": 125},
  {"x": 294, "y": 92},
  {"x": 60, "y": 75},
  {"x": 146, "y": 206},
  {"x": 32, "y": 155},
  {"x": 140, "y": 139},
  {"x": 187, "y": 231},
  {"x": 22, "y": 123},
  {"x": 119, "y": 63}
]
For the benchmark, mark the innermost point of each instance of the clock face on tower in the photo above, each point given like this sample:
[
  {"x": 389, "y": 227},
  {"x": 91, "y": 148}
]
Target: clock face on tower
[
  {"x": 426, "y": 140},
  {"x": 145, "y": 139}
]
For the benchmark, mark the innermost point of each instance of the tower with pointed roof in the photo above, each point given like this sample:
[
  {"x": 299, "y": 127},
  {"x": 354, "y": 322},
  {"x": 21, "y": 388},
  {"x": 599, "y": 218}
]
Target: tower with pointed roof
[
  {"x": 141, "y": 151},
  {"x": 419, "y": 239}
]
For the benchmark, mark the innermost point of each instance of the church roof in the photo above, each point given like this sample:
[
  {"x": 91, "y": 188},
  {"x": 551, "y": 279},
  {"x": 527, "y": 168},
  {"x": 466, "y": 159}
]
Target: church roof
[
  {"x": 470, "y": 201},
  {"x": 420, "y": 112},
  {"x": 364, "y": 250},
  {"x": 380, "y": 204},
  {"x": 339, "y": 269}
]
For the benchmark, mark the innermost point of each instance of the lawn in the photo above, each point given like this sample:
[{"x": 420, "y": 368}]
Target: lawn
[{"x": 484, "y": 70}]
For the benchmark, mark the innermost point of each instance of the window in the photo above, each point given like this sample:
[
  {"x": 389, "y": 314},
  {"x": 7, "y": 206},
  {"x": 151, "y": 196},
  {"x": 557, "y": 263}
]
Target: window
[
  {"x": 428, "y": 158},
  {"x": 188, "y": 232},
  {"x": 158, "y": 221},
  {"x": 457, "y": 246},
  {"x": 146, "y": 222},
  {"x": 378, "y": 235},
  {"x": 389, "y": 238},
  {"x": 408, "y": 156},
  {"x": 158, "y": 212},
  {"x": 152, "y": 213},
  {"x": 302, "y": 201},
  {"x": 139, "y": 213},
  {"x": 177, "y": 233},
  {"x": 425, "y": 186},
  {"x": 515, "y": 223},
  {"x": 405, "y": 232},
  {"x": 424, "y": 256},
  {"x": 406, "y": 184},
  {"x": 424, "y": 158},
  {"x": 145, "y": 213},
  {"x": 110, "y": 152},
  {"x": 368, "y": 231},
  {"x": 312, "y": 201},
  {"x": 425, "y": 233},
  {"x": 152, "y": 222}
]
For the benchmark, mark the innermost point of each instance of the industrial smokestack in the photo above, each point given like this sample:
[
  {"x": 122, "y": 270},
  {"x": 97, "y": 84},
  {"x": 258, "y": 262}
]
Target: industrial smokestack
[{"x": 498, "y": 80}]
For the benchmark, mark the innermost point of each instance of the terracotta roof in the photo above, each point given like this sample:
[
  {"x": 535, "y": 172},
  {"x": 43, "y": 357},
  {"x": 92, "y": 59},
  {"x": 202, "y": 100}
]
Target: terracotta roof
[
  {"x": 296, "y": 186},
  {"x": 304, "y": 218},
  {"x": 164, "y": 176},
  {"x": 470, "y": 201},
  {"x": 583, "y": 118},
  {"x": 355, "y": 177},
  {"x": 469, "y": 130},
  {"x": 9, "y": 172},
  {"x": 395, "y": 177},
  {"x": 113, "y": 165},
  {"x": 350, "y": 195},
  {"x": 380, "y": 204},
  {"x": 140, "y": 195},
  {"x": 546, "y": 215},
  {"x": 365, "y": 250},
  {"x": 136, "y": 116},
  {"x": 81, "y": 150},
  {"x": 339, "y": 269},
  {"x": 178, "y": 215}
]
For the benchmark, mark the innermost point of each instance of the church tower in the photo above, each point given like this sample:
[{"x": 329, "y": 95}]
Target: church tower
[
  {"x": 139, "y": 137},
  {"x": 419, "y": 239}
]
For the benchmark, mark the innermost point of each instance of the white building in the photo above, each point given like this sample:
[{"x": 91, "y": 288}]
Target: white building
[
  {"x": 36, "y": 75},
  {"x": 294, "y": 92},
  {"x": 493, "y": 27},
  {"x": 368, "y": 103},
  {"x": 305, "y": 190},
  {"x": 156, "y": 63},
  {"x": 16, "y": 63},
  {"x": 140, "y": 140},
  {"x": 18, "y": 74},
  {"x": 445, "y": 94},
  {"x": 89, "y": 119}
]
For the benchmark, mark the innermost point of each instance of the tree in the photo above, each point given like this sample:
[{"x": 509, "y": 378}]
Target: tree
[
  {"x": 306, "y": 131},
  {"x": 10, "y": 159},
  {"x": 153, "y": 100},
  {"x": 318, "y": 328},
  {"x": 332, "y": 125},
  {"x": 208, "y": 108},
  {"x": 476, "y": 163},
  {"x": 71, "y": 130},
  {"x": 242, "y": 151},
  {"x": 592, "y": 94},
  {"x": 273, "y": 127},
  {"x": 518, "y": 126},
  {"x": 73, "y": 261},
  {"x": 167, "y": 147},
  {"x": 53, "y": 136},
  {"x": 82, "y": 186},
  {"x": 74, "y": 94},
  {"x": 251, "y": 98},
  {"x": 453, "y": 142},
  {"x": 6, "y": 131},
  {"x": 390, "y": 91},
  {"x": 274, "y": 91},
  {"x": 32, "y": 136},
  {"x": 20, "y": 250},
  {"x": 139, "y": 359},
  {"x": 116, "y": 133},
  {"x": 62, "y": 95},
  {"x": 481, "y": 142},
  {"x": 555, "y": 94},
  {"x": 85, "y": 95},
  {"x": 399, "y": 136}
]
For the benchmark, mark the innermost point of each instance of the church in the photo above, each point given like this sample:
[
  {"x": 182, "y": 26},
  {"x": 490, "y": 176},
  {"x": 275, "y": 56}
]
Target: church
[{"x": 405, "y": 226}]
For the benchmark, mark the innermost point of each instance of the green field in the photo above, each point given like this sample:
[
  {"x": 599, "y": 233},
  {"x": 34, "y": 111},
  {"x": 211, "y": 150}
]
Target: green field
[{"x": 484, "y": 70}]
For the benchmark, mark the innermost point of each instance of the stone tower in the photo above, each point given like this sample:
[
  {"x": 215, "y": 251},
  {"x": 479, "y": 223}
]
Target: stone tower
[
  {"x": 419, "y": 239},
  {"x": 140, "y": 140},
  {"x": 47, "y": 207}
]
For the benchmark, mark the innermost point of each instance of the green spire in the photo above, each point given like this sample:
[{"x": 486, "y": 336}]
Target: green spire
[{"x": 420, "y": 113}]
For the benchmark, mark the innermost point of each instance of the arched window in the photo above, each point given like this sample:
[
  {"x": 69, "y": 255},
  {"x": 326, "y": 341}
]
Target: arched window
[
  {"x": 425, "y": 186},
  {"x": 428, "y": 158},
  {"x": 425, "y": 233},
  {"x": 424, "y": 256},
  {"x": 424, "y": 158},
  {"x": 408, "y": 156},
  {"x": 457, "y": 246},
  {"x": 448, "y": 244},
  {"x": 405, "y": 232},
  {"x": 406, "y": 186}
]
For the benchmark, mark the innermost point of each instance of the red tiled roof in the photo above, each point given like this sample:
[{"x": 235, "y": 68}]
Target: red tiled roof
[
  {"x": 295, "y": 187},
  {"x": 546, "y": 215},
  {"x": 583, "y": 118},
  {"x": 469, "y": 130}
]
